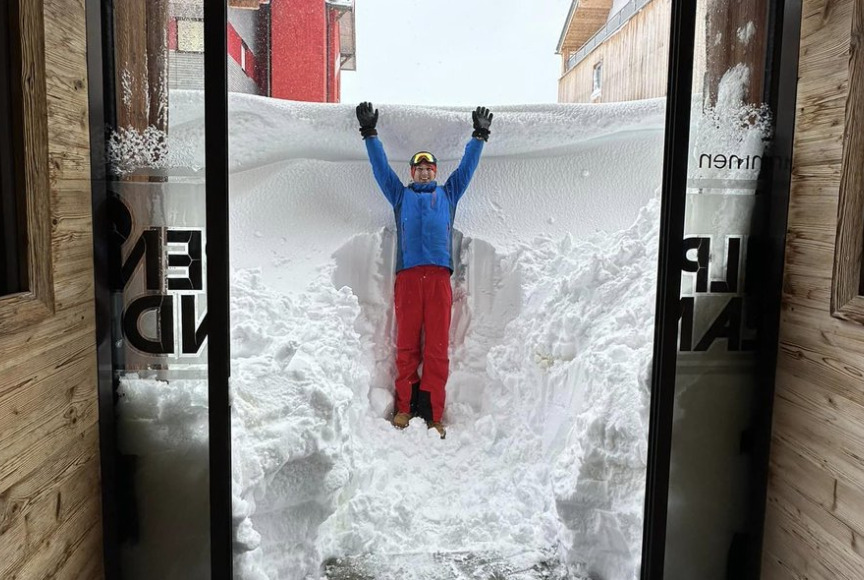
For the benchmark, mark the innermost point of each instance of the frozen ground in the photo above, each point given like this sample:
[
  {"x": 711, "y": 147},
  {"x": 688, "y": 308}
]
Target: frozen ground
[{"x": 541, "y": 474}]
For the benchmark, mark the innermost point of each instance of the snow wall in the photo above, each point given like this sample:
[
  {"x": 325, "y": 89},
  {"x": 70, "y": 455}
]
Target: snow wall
[{"x": 542, "y": 471}]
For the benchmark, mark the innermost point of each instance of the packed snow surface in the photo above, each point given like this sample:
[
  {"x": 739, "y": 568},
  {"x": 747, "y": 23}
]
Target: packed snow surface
[{"x": 542, "y": 471}]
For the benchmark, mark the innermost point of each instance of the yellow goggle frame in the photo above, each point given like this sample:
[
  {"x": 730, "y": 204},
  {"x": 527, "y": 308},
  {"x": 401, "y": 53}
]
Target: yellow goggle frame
[{"x": 423, "y": 157}]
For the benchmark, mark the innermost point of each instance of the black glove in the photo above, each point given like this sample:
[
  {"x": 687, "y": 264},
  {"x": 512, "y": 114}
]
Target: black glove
[
  {"x": 367, "y": 118},
  {"x": 482, "y": 119}
]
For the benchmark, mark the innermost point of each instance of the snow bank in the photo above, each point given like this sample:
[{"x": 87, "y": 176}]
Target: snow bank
[
  {"x": 164, "y": 428},
  {"x": 301, "y": 184},
  {"x": 541, "y": 474},
  {"x": 543, "y": 466}
]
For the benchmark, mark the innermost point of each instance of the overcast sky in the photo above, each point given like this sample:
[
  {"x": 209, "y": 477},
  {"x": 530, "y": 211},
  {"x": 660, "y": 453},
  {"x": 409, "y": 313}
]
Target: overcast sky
[{"x": 456, "y": 52}]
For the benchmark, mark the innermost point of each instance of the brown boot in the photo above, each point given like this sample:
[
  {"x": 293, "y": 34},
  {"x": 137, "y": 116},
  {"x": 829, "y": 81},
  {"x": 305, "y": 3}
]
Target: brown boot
[
  {"x": 400, "y": 420},
  {"x": 438, "y": 426}
]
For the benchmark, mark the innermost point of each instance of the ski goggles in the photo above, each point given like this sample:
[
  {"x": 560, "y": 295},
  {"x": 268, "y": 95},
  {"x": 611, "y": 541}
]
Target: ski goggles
[{"x": 423, "y": 157}]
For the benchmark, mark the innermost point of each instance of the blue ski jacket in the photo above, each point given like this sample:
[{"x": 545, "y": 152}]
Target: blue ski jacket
[{"x": 424, "y": 212}]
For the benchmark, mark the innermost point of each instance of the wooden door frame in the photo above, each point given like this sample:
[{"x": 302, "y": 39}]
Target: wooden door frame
[{"x": 847, "y": 286}]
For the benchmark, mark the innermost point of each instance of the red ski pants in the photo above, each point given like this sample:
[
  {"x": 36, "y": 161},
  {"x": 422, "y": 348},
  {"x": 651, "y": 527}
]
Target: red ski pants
[{"x": 423, "y": 300}]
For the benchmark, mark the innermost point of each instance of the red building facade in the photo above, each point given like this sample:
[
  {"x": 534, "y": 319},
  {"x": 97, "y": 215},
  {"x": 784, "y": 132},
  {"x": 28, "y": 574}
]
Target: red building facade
[
  {"x": 288, "y": 49},
  {"x": 309, "y": 51}
]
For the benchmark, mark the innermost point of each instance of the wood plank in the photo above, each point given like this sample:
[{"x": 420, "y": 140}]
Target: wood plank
[
  {"x": 723, "y": 20},
  {"x": 72, "y": 243},
  {"x": 818, "y": 187},
  {"x": 79, "y": 560},
  {"x": 35, "y": 506},
  {"x": 840, "y": 547},
  {"x": 810, "y": 254},
  {"x": 245, "y": 4},
  {"x": 818, "y": 442},
  {"x": 72, "y": 536},
  {"x": 814, "y": 215},
  {"x": 69, "y": 133},
  {"x": 78, "y": 291},
  {"x": 36, "y": 341},
  {"x": 785, "y": 544},
  {"x": 825, "y": 50},
  {"x": 807, "y": 167},
  {"x": 807, "y": 552},
  {"x": 800, "y": 289},
  {"x": 797, "y": 364},
  {"x": 23, "y": 372},
  {"x": 71, "y": 198},
  {"x": 821, "y": 332},
  {"x": 67, "y": 422},
  {"x": 842, "y": 500},
  {"x": 824, "y": 18},
  {"x": 838, "y": 409},
  {"x": 130, "y": 50}
]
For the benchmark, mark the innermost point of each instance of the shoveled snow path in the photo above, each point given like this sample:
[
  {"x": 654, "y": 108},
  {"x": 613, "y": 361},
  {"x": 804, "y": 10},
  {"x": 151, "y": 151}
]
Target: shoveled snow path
[
  {"x": 485, "y": 489},
  {"x": 541, "y": 474}
]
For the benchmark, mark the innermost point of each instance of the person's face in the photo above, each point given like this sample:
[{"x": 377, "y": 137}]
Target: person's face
[{"x": 424, "y": 173}]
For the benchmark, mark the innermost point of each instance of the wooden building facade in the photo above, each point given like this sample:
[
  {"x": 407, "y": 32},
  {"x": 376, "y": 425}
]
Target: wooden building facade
[
  {"x": 814, "y": 524},
  {"x": 623, "y": 56},
  {"x": 50, "y": 492}
]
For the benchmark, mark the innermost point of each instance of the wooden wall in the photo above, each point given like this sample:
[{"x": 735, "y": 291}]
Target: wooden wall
[
  {"x": 641, "y": 45},
  {"x": 635, "y": 60},
  {"x": 50, "y": 502},
  {"x": 814, "y": 522}
]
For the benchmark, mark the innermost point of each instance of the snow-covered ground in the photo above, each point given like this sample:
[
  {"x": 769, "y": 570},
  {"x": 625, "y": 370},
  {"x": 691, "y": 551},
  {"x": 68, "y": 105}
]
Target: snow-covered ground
[{"x": 542, "y": 471}]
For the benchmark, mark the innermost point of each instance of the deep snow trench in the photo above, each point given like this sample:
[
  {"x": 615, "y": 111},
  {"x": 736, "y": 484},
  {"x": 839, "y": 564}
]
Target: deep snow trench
[{"x": 542, "y": 471}]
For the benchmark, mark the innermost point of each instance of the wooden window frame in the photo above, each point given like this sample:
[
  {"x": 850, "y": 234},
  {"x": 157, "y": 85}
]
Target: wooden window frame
[
  {"x": 597, "y": 79},
  {"x": 30, "y": 159},
  {"x": 10, "y": 241},
  {"x": 847, "y": 301}
]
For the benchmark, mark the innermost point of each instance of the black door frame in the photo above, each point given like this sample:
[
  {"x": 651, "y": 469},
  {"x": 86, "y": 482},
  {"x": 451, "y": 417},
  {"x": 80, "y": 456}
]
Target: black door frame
[
  {"x": 100, "y": 86},
  {"x": 671, "y": 245},
  {"x": 218, "y": 284}
]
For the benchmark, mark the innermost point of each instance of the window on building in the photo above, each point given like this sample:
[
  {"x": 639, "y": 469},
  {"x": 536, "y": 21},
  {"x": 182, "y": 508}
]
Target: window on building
[
  {"x": 12, "y": 258},
  {"x": 190, "y": 35},
  {"x": 597, "y": 80}
]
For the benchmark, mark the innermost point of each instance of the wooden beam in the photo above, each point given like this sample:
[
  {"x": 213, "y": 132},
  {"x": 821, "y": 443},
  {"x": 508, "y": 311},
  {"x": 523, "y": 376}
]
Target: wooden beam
[
  {"x": 742, "y": 28},
  {"x": 246, "y": 4},
  {"x": 846, "y": 299}
]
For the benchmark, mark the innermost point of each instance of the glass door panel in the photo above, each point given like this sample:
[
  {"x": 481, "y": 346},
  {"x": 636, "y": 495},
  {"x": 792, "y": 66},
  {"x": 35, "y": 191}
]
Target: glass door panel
[
  {"x": 158, "y": 271},
  {"x": 714, "y": 518}
]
